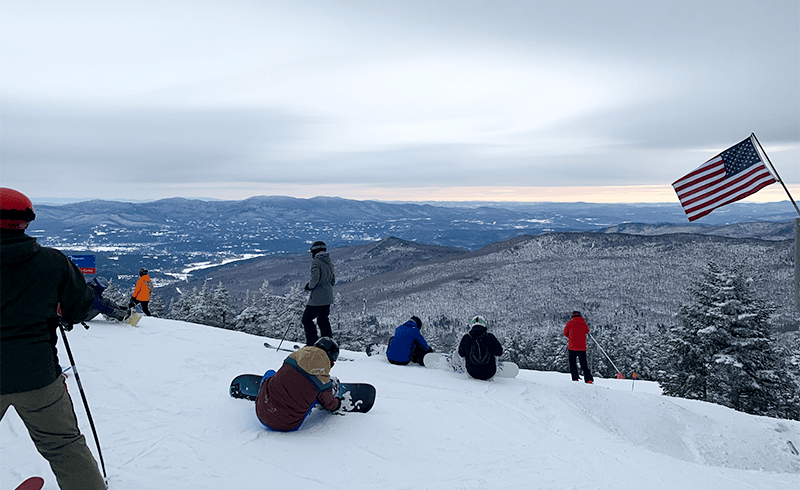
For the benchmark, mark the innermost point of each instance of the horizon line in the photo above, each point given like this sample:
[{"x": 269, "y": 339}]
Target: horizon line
[{"x": 633, "y": 194}]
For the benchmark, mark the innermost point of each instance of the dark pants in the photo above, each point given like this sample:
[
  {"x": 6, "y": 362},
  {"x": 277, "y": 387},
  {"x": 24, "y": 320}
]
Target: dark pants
[
  {"x": 573, "y": 369},
  {"x": 417, "y": 354},
  {"x": 319, "y": 313},
  {"x": 144, "y": 304}
]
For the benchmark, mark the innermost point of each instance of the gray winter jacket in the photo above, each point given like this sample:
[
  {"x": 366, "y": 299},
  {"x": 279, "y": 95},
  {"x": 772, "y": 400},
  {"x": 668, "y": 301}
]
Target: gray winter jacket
[{"x": 322, "y": 280}]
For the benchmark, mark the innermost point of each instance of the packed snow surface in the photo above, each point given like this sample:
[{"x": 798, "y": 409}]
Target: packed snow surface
[{"x": 159, "y": 397}]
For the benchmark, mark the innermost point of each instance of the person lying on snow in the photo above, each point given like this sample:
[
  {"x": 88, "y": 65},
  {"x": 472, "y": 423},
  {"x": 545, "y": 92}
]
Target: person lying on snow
[{"x": 286, "y": 397}]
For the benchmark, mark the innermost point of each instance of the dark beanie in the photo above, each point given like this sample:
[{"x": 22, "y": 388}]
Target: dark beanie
[
  {"x": 576, "y": 313},
  {"x": 318, "y": 246},
  {"x": 417, "y": 321}
]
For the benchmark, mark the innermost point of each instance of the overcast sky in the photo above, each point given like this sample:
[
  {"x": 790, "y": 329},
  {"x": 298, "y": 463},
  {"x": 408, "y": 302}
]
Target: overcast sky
[{"x": 394, "y": 100}]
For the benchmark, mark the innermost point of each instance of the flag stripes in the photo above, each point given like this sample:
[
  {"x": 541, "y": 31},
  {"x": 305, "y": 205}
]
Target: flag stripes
[{"x": 710, "y": 185}]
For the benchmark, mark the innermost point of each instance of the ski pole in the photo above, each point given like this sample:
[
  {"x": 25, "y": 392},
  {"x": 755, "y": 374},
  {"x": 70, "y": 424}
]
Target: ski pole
[
  {"x": 284, "y": 337},
  {"x": 85, "y": 402},
  {"x": 619, "y": 373}
]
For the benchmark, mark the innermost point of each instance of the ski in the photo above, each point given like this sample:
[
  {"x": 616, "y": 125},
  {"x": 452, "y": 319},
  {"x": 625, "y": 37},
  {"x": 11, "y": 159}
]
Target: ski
[
  {"x": 286, "y": 349},
  {"x": 33, "y": 483}
]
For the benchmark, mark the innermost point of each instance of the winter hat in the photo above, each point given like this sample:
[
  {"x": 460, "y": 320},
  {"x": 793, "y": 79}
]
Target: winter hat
[
  {"x": 418, "y": 321},
  {"x": 16, "y": 210},
  {"x": 143, "y": 272},
  {"x": 329, "y": 346},
  {"x": 576, "y": 314},
  {"x": 478, "y": 320},
  {"x": 318, "y": 246}
]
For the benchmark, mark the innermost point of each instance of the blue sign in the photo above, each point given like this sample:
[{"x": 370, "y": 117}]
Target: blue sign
[{"x": 85, "y": 263}]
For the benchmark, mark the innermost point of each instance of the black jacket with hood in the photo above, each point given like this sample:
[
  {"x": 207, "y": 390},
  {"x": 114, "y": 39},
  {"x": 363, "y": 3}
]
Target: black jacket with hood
[{"x": 34, "y": 281}]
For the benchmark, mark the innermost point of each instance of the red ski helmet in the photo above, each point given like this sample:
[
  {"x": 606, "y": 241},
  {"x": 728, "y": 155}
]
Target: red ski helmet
[{"x": 16, "y": 210}]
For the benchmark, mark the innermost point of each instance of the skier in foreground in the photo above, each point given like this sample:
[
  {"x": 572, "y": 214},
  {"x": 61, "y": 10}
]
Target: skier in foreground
[
  {"x": 479, "y": 350},
  {"x": 407, "y": 344},
  {"x": 576, "y": 330},
  {"x": 286, "y": 398},
  {"x": 34, "y": 282},
  {"x": 319, "y": 302}
]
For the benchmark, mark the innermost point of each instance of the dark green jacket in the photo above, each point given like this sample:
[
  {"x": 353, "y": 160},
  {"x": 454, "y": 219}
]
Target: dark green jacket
[{"x": 34, "y": 281}]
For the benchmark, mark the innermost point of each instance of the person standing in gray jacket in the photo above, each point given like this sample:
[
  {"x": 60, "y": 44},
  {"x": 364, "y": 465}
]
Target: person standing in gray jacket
[{"x": 321, "y": 298}]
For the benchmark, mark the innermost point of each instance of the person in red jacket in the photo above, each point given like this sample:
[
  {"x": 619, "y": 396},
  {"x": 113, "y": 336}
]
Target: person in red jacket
[
  {"x": 286, "y": 398},
  {"x": 141, "y": 294},
  {"x": 576, "y": 331}
]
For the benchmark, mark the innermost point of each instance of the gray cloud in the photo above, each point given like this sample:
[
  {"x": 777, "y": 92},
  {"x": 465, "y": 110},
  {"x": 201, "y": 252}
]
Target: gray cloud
[{"x": 445, "y": 93}]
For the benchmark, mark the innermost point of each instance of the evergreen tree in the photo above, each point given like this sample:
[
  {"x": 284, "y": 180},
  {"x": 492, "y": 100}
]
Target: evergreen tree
[
  {"x": 258, "y": 312},
  {"x": 179, "y": 308},
  {"x": 156, "y": 305},
  {"x": 723, "y": 351},
  {"x": 220, "y": 313},
  {"x": 288, "y": 313}
]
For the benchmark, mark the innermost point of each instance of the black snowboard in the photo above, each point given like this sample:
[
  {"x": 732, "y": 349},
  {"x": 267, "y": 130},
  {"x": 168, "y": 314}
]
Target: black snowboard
[{"x": 356, "y": 397}]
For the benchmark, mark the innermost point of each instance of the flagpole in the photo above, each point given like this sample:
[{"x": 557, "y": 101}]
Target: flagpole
[
  {"x": 791, "y": 199},
  {"x": 796, "y": 230}
]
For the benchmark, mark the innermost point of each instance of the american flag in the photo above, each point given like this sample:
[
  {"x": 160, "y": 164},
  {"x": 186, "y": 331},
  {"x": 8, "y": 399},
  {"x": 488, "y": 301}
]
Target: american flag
[{"x": 730, "y": 176}]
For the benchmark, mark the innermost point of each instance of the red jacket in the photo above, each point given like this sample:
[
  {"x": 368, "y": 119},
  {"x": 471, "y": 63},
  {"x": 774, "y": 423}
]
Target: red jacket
[
  {"x": 576, "y": 331},
  {"x": 285, "y": 399}
]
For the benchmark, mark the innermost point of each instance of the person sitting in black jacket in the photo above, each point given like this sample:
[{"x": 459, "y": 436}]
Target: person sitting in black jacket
[{"x": 479, "y": 350}]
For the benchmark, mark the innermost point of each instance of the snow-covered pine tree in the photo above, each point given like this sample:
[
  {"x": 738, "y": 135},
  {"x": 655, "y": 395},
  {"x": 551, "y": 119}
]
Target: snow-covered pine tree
[
  {"x": 288, "y": 313},
  {"x": 220, "y": 312},
  {"x": 180, "y": 308},
  {"x": 199, "y": 307},
  {"x": 258, "y": 312},
  {"x": 723, "y": 350},
  {"x": 156, "y": 305}
]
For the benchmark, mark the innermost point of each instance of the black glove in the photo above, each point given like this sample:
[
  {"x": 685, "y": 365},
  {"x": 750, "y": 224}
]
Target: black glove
[{"x": 65, "y": 325}]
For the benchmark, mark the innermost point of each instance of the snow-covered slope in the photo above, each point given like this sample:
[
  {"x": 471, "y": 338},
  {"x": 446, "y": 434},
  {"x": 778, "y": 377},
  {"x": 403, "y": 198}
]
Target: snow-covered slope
[{"x": 159, "y": 397}]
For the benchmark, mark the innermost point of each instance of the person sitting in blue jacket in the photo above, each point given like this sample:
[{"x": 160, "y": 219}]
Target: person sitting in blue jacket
[{"x": 407, "y": 344}]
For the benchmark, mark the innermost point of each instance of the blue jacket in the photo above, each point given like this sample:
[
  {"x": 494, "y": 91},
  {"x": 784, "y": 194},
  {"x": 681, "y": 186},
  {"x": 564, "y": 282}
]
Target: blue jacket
[{"x": 402, "y": 344}]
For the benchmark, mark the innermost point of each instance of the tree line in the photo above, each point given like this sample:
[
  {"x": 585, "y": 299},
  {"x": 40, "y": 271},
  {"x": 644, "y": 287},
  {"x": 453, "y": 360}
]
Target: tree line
[{"x": 722, "y": 347}]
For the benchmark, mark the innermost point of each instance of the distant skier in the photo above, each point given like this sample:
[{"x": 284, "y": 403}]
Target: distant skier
[
  {"x": 319, "y": 302},
  {"x": 286, "y": 397},
  {"x": 479, "y": 350},
  {"x": 34, "y": 282},
  {"x": 141, "y": 294},
  {"x": 407, "y": 344},
  {"x": 576, "y": 331}
]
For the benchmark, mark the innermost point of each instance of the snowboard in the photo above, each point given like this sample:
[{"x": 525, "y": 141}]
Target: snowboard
[
  {"x": 295, "y": 347},
  {"x": 356, "y": 397},
  {"x": 438, "y": 360},
  {"x": 133, "y": 320},
  {"x": 33, "y": 483}
]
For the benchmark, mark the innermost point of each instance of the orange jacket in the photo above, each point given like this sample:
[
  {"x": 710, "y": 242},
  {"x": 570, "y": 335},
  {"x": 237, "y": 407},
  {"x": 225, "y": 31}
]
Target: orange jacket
[{"x": 142, "y": 291}]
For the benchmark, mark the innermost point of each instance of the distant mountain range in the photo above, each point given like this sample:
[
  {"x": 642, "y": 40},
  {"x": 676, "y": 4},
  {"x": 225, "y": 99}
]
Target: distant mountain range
[{"x": 176, "y": 237}]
